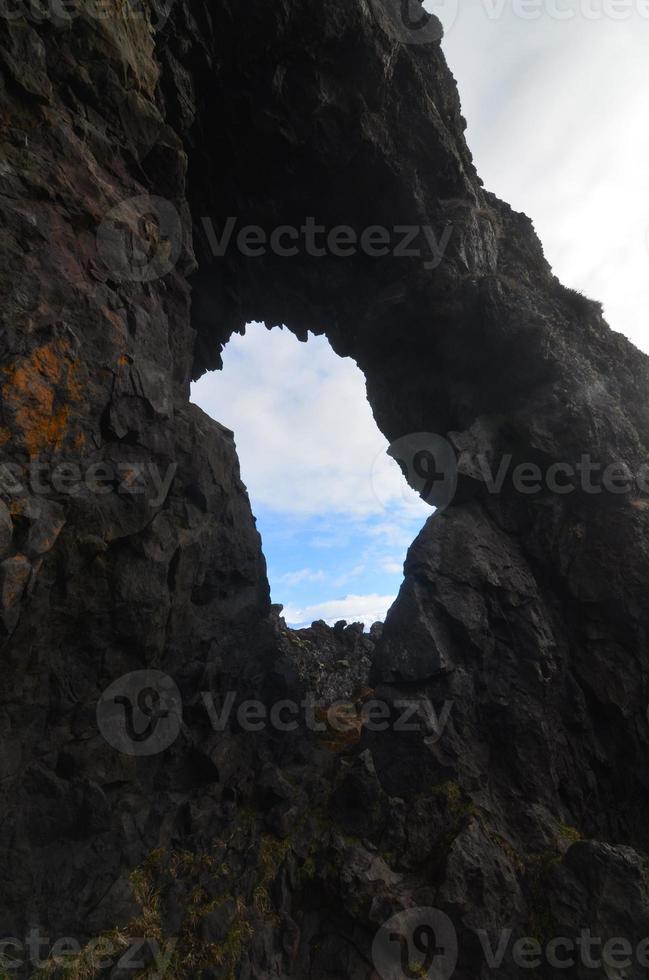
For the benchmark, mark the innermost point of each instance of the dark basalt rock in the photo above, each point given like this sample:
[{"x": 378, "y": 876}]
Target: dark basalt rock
[{"x": 269, "y": 852}]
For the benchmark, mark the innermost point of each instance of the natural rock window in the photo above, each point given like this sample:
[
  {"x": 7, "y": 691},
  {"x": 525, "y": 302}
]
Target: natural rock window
[{"x": 335, "y": 514}]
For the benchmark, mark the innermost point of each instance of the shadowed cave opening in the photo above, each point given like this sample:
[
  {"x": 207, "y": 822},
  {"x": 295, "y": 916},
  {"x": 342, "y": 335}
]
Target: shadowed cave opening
[{"x": 335, "y": 514}]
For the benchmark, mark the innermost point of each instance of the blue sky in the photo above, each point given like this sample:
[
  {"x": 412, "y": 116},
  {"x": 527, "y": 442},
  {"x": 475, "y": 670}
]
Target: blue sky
[{"x": 556, "y": 112}]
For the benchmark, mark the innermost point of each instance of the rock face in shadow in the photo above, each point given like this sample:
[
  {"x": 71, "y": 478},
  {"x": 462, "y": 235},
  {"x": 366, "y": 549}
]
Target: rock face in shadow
[{"x": 278, "y": 845}]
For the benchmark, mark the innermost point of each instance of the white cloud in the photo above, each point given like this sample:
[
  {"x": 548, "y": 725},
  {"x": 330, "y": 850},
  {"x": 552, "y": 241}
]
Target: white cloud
[
  {"x": 352, "y": 573},
  {"x": 304, "y": 575},
  {"x": 393, "y": 533},
  {"x": 305, "y": 433},
  {"x": 554, "y": 111},
  {"x": 366, "y": 609},
  {"x": 394, "y": 567}
]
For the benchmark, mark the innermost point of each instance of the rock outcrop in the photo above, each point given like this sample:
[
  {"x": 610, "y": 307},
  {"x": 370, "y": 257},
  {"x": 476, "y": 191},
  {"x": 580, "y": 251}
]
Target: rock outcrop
[{"x": 246, "y": 845}]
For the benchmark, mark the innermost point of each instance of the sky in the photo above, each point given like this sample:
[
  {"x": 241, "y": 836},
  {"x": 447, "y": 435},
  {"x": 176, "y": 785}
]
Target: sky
[
  {"x": 557, "y": 122},
  {"x": 335, "y": 514}
]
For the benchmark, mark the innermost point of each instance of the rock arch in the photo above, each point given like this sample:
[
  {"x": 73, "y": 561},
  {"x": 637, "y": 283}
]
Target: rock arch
[{"x": 527, "y": 614}]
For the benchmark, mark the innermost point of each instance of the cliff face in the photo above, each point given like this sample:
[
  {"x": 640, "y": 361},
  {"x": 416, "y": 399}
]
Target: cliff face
[{"x": 128, "y": 542}]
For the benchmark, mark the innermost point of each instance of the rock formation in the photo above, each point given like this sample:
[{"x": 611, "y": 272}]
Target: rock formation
[{"x": 128, "y": 542}]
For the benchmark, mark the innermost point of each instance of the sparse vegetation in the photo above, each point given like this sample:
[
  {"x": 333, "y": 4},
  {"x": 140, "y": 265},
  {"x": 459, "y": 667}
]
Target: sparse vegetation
[
  {"x": 569, "y": 833},
  {"x": 579, "y": 303}
]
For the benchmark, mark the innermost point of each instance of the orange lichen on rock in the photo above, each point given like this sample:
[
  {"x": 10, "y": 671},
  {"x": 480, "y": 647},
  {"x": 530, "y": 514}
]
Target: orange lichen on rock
[
  {"x": 344, "y": 726},
  {"x": 38, "y": 393},
  {"x": 344, "y": 721}
]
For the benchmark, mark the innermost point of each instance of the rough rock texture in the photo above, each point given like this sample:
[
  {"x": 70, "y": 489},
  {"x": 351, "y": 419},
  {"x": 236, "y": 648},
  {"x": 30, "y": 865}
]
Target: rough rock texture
[{"x": 280, "y": 853}]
